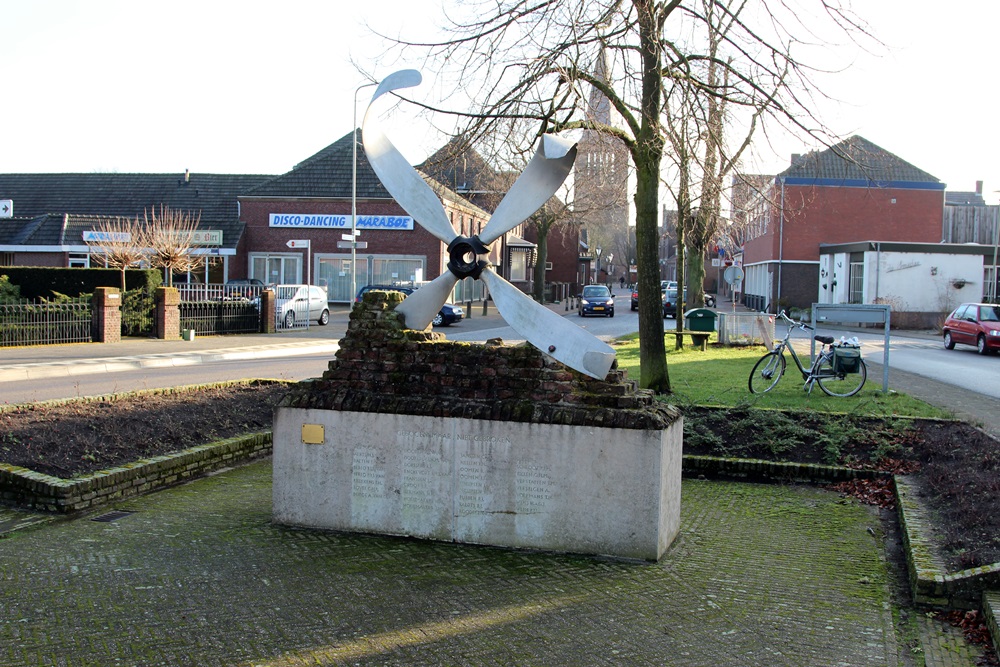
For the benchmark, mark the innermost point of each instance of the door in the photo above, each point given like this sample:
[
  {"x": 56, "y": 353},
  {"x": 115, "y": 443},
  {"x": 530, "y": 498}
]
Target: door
[{"x": 963, "y": 327}]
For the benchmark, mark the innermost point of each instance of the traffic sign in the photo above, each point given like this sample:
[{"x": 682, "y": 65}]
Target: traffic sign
[
  {"x": 356, "y": 244},
  {"x": 733, "y": 275},
  {"x": 6, "y": 208},
  {"x": 298, "y": 243}
]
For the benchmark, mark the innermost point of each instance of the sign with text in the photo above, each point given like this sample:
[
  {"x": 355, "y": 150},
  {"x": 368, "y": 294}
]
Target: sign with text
[
  {"x": 206, "y": 237},
  {"x": 309, "y": 221},
  {"x": 298, "y": 243},
  {"x": 92, "y": 236}
]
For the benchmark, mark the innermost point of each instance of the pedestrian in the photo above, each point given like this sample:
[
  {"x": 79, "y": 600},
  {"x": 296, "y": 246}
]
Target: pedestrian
[{"x": 621, "y": 281}]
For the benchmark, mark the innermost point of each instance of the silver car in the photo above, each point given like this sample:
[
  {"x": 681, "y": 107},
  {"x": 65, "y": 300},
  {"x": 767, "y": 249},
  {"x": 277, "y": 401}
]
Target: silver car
[{"x": 299, "y": 303}]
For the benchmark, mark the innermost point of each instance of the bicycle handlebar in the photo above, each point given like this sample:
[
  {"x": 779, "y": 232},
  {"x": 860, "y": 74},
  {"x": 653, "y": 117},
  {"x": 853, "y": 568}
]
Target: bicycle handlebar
[{"x": 791, "y": 322}]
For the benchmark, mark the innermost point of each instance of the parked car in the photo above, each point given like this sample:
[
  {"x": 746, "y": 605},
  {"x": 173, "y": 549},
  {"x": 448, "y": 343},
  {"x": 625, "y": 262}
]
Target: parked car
[
  {"x": 709, "y": 298},
  {"x": 448, "y": 315},
  {"x": 670, "y": 302},
  {"x": 974, "y": 324},
  {"x": 596, "y": 300},
  {"x": 293, "y": 302}
]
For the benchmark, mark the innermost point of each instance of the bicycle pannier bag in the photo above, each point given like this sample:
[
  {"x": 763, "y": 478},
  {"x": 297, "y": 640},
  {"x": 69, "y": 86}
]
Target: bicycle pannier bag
[{"x": 846, "y": 359}]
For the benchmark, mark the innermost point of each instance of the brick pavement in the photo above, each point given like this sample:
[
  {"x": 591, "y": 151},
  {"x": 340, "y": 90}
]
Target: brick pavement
[{"x": 198, "y": 575}]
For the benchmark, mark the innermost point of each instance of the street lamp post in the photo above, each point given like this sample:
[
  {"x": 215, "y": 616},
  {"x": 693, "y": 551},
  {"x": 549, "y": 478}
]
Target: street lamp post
[{"x": 354, "y": 194}]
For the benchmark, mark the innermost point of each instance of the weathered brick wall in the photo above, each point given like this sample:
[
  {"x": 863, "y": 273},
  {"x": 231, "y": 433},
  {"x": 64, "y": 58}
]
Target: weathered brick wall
[
  {"x": 43, "y": 492},
  {"x": 106, "y": 325},
  {"x": 168, "y": 314},
  {"x": 384, "y": 367}
]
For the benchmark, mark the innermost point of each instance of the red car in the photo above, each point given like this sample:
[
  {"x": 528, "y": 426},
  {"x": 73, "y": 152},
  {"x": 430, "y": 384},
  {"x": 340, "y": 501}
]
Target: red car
[{"x": 974, "y": 324}]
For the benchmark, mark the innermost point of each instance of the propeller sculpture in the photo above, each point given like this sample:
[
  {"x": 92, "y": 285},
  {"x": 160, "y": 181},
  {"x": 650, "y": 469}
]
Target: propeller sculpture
[{"x": 468, "y": 256}]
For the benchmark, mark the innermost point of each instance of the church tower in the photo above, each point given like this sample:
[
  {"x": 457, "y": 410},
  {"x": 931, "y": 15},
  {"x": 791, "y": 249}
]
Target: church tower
[{"x": 600, "y": 183}]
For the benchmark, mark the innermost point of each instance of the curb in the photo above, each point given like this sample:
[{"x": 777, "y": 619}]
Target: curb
[{"x": 74, "y": 367}]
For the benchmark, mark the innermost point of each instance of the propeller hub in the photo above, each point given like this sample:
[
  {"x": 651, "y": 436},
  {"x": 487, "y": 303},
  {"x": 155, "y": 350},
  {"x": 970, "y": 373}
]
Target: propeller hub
[{"x": 468, "y": 257}]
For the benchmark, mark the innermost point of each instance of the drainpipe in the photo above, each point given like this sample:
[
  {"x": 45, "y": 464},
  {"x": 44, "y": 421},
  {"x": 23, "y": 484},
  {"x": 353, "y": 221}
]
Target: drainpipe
[
  {"x": 878, "y": 266},
  {"x": 781, "y": 245}
]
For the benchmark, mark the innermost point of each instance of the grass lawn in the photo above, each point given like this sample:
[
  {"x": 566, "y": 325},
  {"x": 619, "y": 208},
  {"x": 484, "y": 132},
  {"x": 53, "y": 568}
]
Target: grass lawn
[{"x": 718, "y": 377}]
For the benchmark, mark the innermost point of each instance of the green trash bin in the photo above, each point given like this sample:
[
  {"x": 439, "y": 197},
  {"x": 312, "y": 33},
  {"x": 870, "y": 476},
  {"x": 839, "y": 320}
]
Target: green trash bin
[{"x": 700, "y": 319}]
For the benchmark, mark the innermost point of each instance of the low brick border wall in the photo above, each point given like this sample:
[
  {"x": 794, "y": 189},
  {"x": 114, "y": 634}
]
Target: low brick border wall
[
  {"x": 991, "y": 609},
  {"x": 930, "y": 584},
  {"x": 757, "y": 470},
  {"x": 44, "y": 492}
]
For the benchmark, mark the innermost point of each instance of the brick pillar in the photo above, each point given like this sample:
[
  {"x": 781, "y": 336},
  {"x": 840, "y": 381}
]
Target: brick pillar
[
  {"x": 106, "y": 315},
  {"x": 168, "y": 314},
  {"x": 267, "y": 324}
]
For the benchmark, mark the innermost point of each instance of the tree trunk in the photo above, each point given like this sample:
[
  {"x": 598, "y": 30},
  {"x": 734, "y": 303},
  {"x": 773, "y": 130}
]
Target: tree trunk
[
  {"x": 653, "y": 372},
  {"x": 647, "y": 155}
]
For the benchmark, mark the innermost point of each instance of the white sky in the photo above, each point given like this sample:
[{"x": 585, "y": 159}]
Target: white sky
[{"x": 256, "y": 87}]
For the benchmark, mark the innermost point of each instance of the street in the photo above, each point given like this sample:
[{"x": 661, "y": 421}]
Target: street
[{"x": 919, "y": 353}]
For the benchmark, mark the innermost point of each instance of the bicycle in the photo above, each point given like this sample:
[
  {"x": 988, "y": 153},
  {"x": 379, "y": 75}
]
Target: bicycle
[{"x": 838, "y": 369}]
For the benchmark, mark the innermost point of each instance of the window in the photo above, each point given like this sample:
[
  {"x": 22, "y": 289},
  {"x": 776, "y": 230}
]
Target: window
[
  {"x": 79, "y": 260},
  {"x": 276, "y": 269},
  {"x": 857, "y": 287},
  {"x": 518, "y": 265}
]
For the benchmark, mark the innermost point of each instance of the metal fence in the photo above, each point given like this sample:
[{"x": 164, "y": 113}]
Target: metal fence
[
  {"x": 37, "y": 322},
  {"x": 746, "y": 328},
  {"x": 217, "y": 292},
  {"x": 213, "y": 310},
  {"x": 214, "y": 318}
]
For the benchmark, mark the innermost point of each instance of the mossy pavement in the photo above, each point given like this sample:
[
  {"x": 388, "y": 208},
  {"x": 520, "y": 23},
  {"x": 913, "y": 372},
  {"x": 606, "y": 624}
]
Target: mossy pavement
[{"x": 198, "y": 575}]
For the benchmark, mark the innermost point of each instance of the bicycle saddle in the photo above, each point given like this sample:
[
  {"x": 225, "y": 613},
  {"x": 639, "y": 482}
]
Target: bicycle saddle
[{"x": 826, "y": 340}]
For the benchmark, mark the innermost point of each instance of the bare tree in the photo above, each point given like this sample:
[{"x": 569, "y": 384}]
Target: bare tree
[
  {"x": 120, "y": 243},
  {"x": 520, "y": 67},
  {"x": 169, "y": 236}
]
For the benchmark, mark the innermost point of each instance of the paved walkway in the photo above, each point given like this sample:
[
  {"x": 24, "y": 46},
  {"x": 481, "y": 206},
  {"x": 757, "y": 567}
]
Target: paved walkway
[{"x": 198, "y": 575}]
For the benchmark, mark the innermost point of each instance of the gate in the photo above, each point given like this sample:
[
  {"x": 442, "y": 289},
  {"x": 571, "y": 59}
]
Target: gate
[
  {"x": 138, "y": 313},
  {"x": 215, "y": 318}
]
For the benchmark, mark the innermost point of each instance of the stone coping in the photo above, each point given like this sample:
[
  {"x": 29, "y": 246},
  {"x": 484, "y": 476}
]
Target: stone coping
[
  {"x": 991, "y": 608},
  {"x": 38, "y": 491},
  {"x": 930, "y": 582}
]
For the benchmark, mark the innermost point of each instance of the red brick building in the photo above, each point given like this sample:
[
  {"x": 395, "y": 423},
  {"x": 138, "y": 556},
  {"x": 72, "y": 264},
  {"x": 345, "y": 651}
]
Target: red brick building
[
  {"x": 313, "y": 203},
  {"x": 853, "y": 191}
]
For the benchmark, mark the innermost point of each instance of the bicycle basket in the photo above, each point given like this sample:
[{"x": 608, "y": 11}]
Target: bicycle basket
[{"x": 846, "y": 359}]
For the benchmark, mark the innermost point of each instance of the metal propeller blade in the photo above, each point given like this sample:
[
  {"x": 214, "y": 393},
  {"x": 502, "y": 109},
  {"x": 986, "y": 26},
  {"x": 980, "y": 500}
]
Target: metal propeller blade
[
  {"x": 399, "y": 178},
  {"x": 549, "y": 332},
  {"x": 419, "y": 308},
  {"x": 543, "y": 176}
]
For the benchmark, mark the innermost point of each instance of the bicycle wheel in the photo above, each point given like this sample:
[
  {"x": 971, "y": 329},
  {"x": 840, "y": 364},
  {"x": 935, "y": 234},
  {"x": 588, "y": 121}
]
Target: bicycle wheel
[
  {"x": 840, "y": 384},
  {"x": 766, "y": 372}
]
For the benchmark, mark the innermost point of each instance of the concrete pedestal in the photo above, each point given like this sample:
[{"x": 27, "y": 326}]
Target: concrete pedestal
[{"x": 577, "y": 489}]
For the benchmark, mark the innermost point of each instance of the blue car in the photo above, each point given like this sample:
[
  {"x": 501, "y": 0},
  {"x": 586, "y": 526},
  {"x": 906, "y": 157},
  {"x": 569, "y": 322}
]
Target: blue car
[
  {"x": 448, "y": 315},
  {"x": 596, "y": 300}
]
